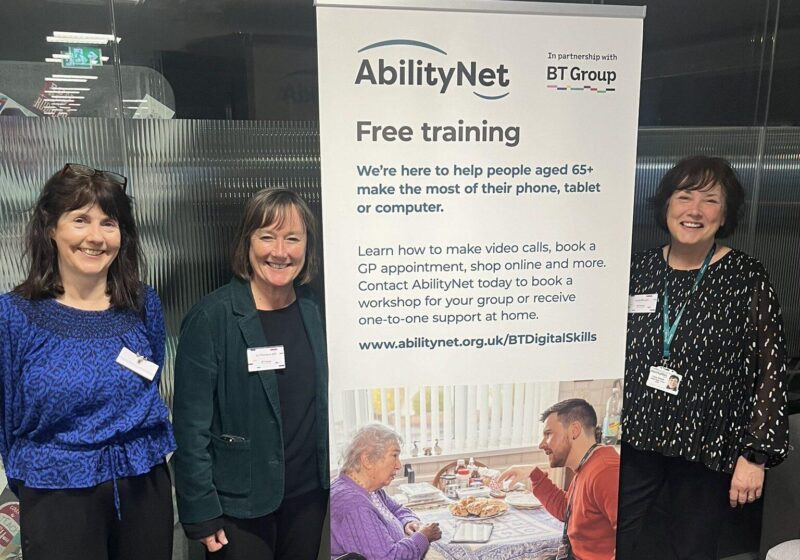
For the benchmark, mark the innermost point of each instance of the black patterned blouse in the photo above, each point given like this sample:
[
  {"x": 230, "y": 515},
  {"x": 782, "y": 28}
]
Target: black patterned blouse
[{"x": 731, "y": 352}]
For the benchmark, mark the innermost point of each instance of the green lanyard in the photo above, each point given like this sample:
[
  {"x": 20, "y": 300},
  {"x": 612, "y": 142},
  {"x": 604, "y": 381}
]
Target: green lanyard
[{"x": 670, "y": 330}]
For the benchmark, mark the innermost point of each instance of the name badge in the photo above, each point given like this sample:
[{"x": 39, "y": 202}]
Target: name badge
[
  {"x": 664, "y": 379},
  {"x": 137, "y": 364},
  {"x": 266, "y": 357},
  {"x": 642, "y": 303}
]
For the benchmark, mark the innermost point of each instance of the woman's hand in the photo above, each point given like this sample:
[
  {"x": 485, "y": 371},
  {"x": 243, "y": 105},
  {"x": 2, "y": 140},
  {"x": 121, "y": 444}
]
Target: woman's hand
[
  {"x": 411, "y": 527},
  {"x": 431, "y": 531},
  {"x": 747, "y": 482},
  {"x": 216, "y": 541}
]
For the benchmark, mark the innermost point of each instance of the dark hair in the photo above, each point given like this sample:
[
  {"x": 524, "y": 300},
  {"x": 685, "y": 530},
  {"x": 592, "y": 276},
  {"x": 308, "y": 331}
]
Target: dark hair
[
  {"x": 675, "y": 377},
  {"x": 699, "y": 173},
  {"x": 573, "y": 410},
  {"x": 268, "y": 207},
  {"x": 67, "y": 191}
]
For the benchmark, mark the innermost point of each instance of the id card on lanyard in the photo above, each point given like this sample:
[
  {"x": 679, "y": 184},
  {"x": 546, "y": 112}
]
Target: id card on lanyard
[{"x": 662, "y": 377}]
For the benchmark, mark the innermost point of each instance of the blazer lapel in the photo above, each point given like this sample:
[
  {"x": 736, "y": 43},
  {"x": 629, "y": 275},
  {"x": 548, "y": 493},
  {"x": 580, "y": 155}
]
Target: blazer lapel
[{"x": 253, "y": 333}]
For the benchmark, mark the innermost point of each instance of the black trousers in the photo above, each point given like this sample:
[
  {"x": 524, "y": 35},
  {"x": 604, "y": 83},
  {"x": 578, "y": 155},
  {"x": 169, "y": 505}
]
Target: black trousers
[
  {"x": 292, "y": 532},
  {"x": 82, "y": 523},
  {"x": 697, "y": 503}
]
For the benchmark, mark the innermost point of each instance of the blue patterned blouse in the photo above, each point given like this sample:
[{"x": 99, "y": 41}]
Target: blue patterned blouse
[{"x": 71, "y": 416}]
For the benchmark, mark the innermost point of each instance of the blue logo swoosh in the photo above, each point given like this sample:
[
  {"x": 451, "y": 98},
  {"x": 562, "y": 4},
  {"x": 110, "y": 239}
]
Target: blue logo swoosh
[{"x": 407, "y": 42}]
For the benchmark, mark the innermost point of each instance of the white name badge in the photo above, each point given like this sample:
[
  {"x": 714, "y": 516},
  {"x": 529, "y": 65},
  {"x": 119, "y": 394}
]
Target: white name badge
[
  {"x": 267, "y": 357},
  {"x": 664, "y": 379},
  {"x": 642, "y": 303},
  {"x": 137, "y": 364}
]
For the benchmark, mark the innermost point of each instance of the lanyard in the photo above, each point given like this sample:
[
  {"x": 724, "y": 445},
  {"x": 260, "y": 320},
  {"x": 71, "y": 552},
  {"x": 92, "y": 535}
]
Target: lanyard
[
  {"x": 671, "y": 329},
  {"x": 569, "y": 504}
]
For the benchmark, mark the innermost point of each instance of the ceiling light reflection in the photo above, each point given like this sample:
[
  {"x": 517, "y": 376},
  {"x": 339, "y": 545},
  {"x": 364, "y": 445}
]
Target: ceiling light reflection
[{"x": 82, "y": 76}]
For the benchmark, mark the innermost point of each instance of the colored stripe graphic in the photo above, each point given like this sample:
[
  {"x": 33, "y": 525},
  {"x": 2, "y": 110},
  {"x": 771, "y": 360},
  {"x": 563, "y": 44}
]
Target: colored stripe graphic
[{"x": 584, "y": 88}]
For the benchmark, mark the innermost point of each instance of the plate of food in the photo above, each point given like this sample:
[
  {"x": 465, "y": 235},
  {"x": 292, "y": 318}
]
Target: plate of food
[
  {"x": 523, "y": 500},
  {"x": 478, "y": 508}
]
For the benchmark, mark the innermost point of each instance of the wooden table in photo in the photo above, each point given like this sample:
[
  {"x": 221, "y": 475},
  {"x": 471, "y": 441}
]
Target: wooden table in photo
[{"x": 531, "y": 534}]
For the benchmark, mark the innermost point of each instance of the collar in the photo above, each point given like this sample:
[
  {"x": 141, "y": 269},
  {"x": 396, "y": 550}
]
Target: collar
[
  {"x": 352, "y": 483},
  {"x": 589, "y": 454},
  {"x": 242, "y": 301}
]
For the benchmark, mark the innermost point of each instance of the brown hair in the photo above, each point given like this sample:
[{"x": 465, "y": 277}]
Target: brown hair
[
  {"x": 268, "y": 207},
  {"x": 573, "y": 410}
]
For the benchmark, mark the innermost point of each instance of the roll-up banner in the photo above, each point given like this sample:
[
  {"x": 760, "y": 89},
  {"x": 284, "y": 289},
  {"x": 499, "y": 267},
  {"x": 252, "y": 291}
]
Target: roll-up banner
[{"x": 477, "y": 189}]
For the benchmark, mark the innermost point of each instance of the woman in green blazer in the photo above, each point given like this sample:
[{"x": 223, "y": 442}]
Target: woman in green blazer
[{"x": 251, "y": 386}]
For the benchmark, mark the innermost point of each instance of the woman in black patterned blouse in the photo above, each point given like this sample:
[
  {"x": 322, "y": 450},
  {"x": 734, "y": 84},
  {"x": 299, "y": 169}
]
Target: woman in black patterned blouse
[{"x": 705, "y": 388}]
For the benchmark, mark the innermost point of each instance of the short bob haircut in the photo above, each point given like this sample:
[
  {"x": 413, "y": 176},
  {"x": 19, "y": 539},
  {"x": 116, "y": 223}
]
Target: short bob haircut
[
  {"x": 573, "y": 410},
  {"x": 270, "y": 207},
  {"x": 699, "y": 173},
  {"x": 67, "y": 191},
  {"x": 373, "y": 440}
]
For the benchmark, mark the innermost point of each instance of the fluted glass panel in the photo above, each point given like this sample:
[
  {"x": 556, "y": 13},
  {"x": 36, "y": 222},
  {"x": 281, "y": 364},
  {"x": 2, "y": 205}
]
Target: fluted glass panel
[{"x": 777, "y": 232}]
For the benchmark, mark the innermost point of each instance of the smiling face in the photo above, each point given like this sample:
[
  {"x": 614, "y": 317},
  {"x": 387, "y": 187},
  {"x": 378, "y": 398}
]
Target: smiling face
[
  {"x": 278, "y": 253},
  {"x": 87, "y": 241},
  {"x": 672, "y": 383},
  {"x": 382, "y": 472},
  {"x": 556, "y": 441},
  {"x": 694, "y": 217}
]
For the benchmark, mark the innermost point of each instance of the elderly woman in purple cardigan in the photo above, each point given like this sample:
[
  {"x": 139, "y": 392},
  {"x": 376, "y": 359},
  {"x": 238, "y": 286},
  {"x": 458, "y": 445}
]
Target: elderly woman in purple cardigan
[{"x": 364, "y": 519}]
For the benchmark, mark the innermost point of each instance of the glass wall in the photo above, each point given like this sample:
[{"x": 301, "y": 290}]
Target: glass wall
[{"x": 203, "y": 102}]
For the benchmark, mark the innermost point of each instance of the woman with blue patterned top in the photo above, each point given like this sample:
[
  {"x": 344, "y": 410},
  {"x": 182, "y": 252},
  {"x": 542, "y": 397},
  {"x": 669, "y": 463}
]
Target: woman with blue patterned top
[{"x": 83, "y": 429}]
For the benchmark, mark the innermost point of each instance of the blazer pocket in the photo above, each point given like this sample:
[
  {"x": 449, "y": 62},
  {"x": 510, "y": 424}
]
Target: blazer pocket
[{"x": 231, "y": 465}]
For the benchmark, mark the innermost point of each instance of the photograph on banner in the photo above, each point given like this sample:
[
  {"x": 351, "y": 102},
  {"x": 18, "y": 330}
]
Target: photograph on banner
[
  {"x": 455, "y": 443},
  {"x": 477, "y": 204}
]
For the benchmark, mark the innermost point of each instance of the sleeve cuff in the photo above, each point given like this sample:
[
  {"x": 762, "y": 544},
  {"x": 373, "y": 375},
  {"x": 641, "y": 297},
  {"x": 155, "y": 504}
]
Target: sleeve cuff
[
  {"x": 421, "y": 541},
  {"x": 755, "y": 456},
  {"x": 537, "y": 476},
  {"x": 197, "y": 531}
]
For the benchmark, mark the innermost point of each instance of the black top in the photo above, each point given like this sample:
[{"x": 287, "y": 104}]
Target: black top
[
  {"x": 297, "y": 390},
  {"x": 731, "y": 351}
]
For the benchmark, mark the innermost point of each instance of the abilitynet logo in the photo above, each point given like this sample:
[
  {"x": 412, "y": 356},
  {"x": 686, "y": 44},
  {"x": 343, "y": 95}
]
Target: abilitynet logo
[{"x": 487, "y": 82}]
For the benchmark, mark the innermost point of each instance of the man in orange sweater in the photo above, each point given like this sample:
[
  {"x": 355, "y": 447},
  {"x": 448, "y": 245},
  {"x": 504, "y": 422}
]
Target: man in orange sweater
[{"x": 589, "y": 506}]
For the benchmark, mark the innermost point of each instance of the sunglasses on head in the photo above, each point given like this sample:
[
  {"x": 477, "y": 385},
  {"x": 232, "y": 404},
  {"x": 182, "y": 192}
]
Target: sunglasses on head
[{"x": 79, "y": 169}]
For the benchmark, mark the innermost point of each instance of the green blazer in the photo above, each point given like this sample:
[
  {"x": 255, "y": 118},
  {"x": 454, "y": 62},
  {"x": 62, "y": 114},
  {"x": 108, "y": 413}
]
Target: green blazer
[{"x": 215, "y": 395}]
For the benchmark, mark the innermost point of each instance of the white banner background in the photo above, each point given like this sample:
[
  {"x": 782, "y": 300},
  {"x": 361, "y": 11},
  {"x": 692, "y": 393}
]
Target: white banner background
[{"x": 572, "y": 329}]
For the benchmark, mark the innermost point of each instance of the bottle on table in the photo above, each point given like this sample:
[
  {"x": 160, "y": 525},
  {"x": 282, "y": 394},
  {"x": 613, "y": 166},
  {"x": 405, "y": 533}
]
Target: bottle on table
[
  {"x": 611, "y": 421},
  {"x": 462, "y": 474}
]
